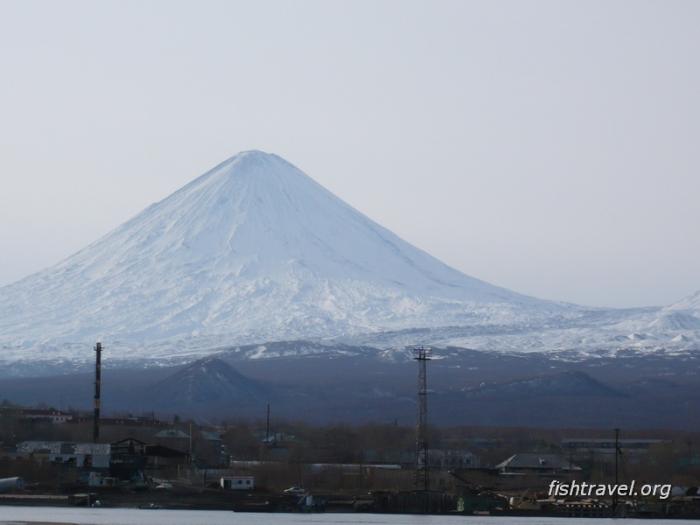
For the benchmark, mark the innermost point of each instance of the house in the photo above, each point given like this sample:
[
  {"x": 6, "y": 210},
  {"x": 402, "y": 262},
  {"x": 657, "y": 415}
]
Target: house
[
  {"x": 452, "y": 459},
  {"x": 273, "y": 438},
  {"x": 237, "y": 482},
  {"x": 210, "y": 449},
  {"x": 172, "y": 433},
  {"x": 536, "y": 464},
  {"x": 173, "y": 438},
  {"x": 132, "y": 457}
]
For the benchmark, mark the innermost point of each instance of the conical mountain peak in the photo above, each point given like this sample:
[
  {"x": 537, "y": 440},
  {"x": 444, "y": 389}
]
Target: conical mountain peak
[
  {"x": 255, "y": 161},
  {"x": 253, "y": 250},
  {"x": 246, "y": 165}
]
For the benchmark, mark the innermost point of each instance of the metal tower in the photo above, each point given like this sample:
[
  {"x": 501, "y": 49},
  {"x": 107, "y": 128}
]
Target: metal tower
[
  {"x": 422, "y": 355},
  {"x": 98, "y": 385}
]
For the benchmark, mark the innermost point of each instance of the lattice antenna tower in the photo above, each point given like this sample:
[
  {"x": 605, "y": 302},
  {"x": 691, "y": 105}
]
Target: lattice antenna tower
[{"x": 422, "y": 355}]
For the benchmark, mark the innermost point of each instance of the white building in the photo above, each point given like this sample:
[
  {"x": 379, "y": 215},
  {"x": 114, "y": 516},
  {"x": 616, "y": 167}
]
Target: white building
[
  {"x": 237, "y": 482},
  {"x": 84, "y": 455}
]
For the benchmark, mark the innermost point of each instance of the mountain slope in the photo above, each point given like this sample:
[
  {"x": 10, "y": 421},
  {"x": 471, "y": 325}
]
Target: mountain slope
[
  {"x": 253, "y": 250},
  {"x": 569, "y": 383},
  {"x": 682, "y": 317},
  {"x": 691, "y": 303},
  {"x": 205, "y": 382}
]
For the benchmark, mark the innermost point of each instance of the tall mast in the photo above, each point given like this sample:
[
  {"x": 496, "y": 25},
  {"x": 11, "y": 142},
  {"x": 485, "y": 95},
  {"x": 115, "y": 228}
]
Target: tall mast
[
  {"x": 98, "y": 386},
  {"x": 422, "y": 355},
  {"x": 617, "y": 454}
]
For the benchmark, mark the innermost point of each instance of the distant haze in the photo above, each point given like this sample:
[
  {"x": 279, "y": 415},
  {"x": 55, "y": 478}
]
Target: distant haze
[{"x": 550, "y": 147}]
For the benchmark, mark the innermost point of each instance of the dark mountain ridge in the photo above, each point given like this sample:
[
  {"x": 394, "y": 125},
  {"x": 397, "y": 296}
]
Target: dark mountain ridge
[{"x": 467, "y": 388}]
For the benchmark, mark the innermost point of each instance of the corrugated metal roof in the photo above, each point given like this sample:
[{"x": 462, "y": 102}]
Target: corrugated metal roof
[
  {"x": 537, "y": 462},
  {"x": 172, "y": 433}
]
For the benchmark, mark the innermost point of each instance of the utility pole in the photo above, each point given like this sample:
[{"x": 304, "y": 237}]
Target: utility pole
[
  {"x": 617, "y": 480},
  {"x": 422, "y": 355},
  {"x": 267, "y": 427},
  {"x": 98, "y": 386}
]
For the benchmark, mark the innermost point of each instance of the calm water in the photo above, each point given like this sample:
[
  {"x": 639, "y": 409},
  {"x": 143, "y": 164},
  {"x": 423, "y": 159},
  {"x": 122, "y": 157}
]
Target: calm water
[{"x": 183, "y": 517}]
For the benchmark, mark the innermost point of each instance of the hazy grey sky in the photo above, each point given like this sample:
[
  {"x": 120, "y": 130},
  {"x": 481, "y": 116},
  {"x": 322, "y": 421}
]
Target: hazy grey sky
[{"x": 551, "y": 147}]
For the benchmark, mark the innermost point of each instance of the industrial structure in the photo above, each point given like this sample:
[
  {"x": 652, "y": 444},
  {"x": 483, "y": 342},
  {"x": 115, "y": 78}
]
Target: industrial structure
[
  {"x": 98, "y": 386},
  {"x": 422, "y": 355}
]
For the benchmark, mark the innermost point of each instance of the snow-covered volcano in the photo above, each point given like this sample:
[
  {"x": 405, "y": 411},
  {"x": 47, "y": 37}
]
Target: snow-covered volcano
[{"x": 252, "y": 251}]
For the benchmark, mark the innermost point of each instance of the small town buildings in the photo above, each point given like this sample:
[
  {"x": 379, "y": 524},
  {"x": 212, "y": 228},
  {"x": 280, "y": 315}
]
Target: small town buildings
[
  {"x": 604, "y": 449},
  {"x": 442, "y": 459},
  {"x": 127, "y": 421},
  {"x": 353, "y": 467},
  {"x": 131, "y": 458},
  {"x": 274, "y": 438},
  {"x": 451, "y": 459},
  {"x": 81, "y": 455},
  {"x": 56, "y": 417}
]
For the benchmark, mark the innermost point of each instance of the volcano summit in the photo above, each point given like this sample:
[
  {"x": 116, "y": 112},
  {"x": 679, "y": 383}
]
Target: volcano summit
[{"x": 253, "y": 251}]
